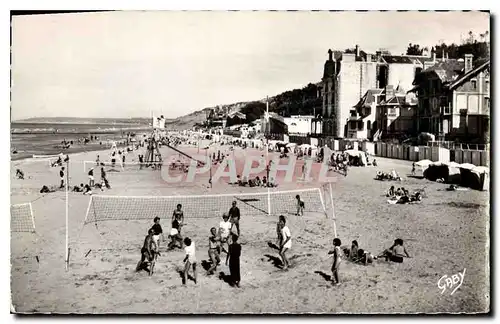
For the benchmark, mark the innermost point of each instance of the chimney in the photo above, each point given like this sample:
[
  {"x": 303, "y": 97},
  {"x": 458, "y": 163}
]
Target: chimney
[
  {"x": 357, "y": 50},
  {"x": 368, "y": 57},
  {"x": 442, "y": 55},
  {"x": 434, "y": 56},
  {"x": 468, "y": 62},
  {"x": 330, "y": 55},
  {"x": 389, "y": 91}
]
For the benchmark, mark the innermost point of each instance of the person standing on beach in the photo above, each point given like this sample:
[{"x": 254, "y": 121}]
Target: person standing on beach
[
  {"x": 178, "y": 216},
  {"x": 286, "y": 242},
  {"x": 61, "y": 174},
  {"x": 189, "y": 260},
  {"x": 233, "y": 258},
  {"x": 336, "y": 260},
  {"x": 234, "y": 214},
  {"x": 91, "y": 177}
]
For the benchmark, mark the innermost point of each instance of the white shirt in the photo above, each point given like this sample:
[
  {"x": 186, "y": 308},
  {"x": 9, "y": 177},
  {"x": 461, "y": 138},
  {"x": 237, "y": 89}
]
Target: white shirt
[
  {"x": 225, "y": 227},
  {"x": 190, "y": 252},
  {"x": 285, "y": 231}
]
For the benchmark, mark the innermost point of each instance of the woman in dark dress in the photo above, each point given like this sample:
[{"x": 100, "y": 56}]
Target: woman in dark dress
[{"x": 233, "y": 256}]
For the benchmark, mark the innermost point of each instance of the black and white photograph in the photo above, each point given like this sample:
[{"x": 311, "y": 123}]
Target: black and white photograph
[{"x": 250, "y": 162}]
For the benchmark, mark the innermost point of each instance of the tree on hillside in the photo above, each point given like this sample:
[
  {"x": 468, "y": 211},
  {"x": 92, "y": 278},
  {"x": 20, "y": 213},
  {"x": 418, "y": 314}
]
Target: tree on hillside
[{"x": 414, "y": 49}]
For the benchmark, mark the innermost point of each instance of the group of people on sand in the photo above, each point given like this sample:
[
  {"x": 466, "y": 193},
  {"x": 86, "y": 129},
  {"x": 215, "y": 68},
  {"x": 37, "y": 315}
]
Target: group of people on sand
[
  {"x": 403, "y": 196},
  {"x": 393, "y": 175},
  {"x": 396, "y": 253},
  {"x": 223, "y": 239}
]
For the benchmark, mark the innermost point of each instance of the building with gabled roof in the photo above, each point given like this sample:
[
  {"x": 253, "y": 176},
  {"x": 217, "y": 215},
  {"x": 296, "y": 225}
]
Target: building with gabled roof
[
  {"x": 454, "y": 100},
  {"x": 347, "y": 77}
]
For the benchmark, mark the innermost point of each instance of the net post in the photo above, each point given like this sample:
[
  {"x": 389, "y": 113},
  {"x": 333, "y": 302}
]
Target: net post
[
  {"x": 322, "y": 201},
  {"x": 333, "y": 211},
  {"x": 67, "y": 217},
  {"x": 32, "y": 218}
]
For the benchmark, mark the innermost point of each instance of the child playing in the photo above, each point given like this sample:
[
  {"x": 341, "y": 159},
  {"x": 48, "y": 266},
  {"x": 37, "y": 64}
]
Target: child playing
[
  {"x": 300, "y": 206},
  {"x": 413, "y": 168},
  {"x": 336, "y": 260},
  {"x": 224, "y": 231},
  {"x": 286, "y": 242},
  {"x": 175, "y": 235},
  {"x": 213, "y": 250},
  {"x": 189, "y": 260}
]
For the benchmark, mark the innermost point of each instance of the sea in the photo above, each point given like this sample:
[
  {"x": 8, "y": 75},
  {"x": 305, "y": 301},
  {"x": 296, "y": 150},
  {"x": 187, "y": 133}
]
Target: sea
[{"x": 29, "y": 138}]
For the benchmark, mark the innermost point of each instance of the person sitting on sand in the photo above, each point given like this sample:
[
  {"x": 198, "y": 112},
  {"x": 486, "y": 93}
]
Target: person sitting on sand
[
  {"x": 87, "y": 190},
  {"x": 258, "y": 182},
  {"x": 20, "y": 174},
  {"x": 353, "y": 253},
  {"x": 391, "y": 192},
  {"x": 399, "y": 192},
  {"x": 396, "y": 252}
]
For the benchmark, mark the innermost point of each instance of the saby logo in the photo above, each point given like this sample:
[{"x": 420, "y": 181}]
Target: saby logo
[{"x": 448, "y": 282}]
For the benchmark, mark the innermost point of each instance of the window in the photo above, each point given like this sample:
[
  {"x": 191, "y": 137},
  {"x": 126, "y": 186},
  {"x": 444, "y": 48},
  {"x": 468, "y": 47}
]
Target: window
[
  {"x": 360, "y": 125},
  {"x": 368, "y": 125},
  {"x": 474, "y": 84},
  {"x": 487, "y": 86}
]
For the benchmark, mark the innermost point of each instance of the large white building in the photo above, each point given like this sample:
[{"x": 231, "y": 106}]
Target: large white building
[{"x": 299, "y": 125}]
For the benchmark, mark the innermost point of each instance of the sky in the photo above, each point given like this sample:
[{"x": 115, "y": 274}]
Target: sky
[{"x": 130, "y": 64}]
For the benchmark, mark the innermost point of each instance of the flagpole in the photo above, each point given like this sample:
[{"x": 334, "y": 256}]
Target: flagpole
[{"x": 267, "y": 157}]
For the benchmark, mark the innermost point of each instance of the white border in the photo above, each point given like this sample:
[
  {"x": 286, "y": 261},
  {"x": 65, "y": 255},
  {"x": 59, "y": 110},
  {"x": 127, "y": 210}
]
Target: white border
[{"x": 198, "y": 4}]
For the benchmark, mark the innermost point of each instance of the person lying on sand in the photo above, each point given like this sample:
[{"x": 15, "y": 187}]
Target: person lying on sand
[
  {"x": 396, "y": 252},
  {"x": 78, "y": 188},
  {"x": 46, "y": 189},
  {"x": 364, "y": 257}
]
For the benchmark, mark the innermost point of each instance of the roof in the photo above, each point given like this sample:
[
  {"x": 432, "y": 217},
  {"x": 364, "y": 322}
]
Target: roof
[
  {"x": 397, "y": 59},
  {"x": 446, "y": 70},
  {"x": 397, "y": 100},
  {"x": 368, "y": 98},
  {"x": 482, "y": 65}
]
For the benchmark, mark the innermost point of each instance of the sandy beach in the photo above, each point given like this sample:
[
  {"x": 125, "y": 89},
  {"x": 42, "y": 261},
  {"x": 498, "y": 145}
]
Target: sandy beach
[{"x": 444, "y": 234}]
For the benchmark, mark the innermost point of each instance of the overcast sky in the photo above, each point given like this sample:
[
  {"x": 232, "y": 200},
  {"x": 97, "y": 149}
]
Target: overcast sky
[{"x": 127, "y": 64}]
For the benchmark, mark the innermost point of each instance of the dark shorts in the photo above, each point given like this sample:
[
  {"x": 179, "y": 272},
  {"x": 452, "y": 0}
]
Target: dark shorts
[{"x": 396, "y": 258}]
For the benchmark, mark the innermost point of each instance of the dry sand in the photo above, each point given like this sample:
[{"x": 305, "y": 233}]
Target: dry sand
[{"x": 446, "y": 233}]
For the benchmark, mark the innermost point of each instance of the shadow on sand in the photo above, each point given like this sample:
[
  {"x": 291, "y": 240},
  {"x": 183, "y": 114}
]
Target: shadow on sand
[
  {"x": 181, "y": 274},
  {"x": 226, "y": 278},
  {"x": 324, "y": 275},
  {"x": 273, "y": 246},
  {"x": 275, "y": 260}
]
